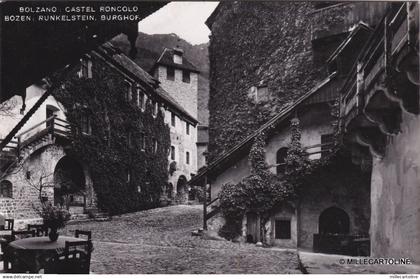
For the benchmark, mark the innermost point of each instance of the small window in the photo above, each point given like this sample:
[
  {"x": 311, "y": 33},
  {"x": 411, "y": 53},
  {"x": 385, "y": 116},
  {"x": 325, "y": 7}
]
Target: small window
[
  {"x": 6, "y": 189},
  {"x": 142, "y": 100},
  {"x": 173, "y": 153},
  {"x": 281, "y": 160},
  {"x": 173, "y": 119},
  {"x": 142, "y": 141},
  {"x": 170, "y": 73},
  {"x": 155, "y": 108},
  {"x": 155, "y": 145},
  {"x": 128, "y": 176},
  {"x": 134, "y": 95},
  {"x": 282, "y": 229},
  {"x": 187, "y": 128},
  {"x": 186, "y": 76},
  {"x": 85, "y": 124},
  {"x": 187, "y": 158},
  {"x": 128, "y": 91},
  {"x": 85, "y": 68}
]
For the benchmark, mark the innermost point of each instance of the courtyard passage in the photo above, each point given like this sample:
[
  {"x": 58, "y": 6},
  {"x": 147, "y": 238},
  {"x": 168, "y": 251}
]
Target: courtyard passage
[{"x": 159, "y": 241}]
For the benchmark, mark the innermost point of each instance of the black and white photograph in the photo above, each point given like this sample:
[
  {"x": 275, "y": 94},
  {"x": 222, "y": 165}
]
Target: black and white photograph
[{"x": 209, "y": 137}]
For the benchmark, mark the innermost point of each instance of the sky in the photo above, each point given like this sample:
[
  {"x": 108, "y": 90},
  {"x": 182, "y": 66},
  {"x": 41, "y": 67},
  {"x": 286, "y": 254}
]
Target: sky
[{"x": 186, "y": 19}]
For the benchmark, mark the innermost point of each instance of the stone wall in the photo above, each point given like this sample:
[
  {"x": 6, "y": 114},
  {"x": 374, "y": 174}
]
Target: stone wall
[
  {"x": 340, "y": 190},
  {"x": 41, "y": 164},
  {"x": 395, "y": 195}
]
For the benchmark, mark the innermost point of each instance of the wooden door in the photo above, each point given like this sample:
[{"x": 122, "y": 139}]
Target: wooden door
[{"x": 252, "y": 228}]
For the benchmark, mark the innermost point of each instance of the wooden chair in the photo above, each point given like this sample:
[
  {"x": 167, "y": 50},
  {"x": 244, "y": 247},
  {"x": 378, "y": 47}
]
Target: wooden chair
[
  {"x": 9, "y": 258},
  {"x": 88, "y": 234},
  {"x": 22, "y": 234},
  {"x": 40, "y": 230},
  {"x": 9, "y": 224},
  {"x": 75, "y": 259}
]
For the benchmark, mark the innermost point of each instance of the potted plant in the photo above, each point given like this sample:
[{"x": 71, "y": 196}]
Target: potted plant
[{"x": 55, "y": 217}]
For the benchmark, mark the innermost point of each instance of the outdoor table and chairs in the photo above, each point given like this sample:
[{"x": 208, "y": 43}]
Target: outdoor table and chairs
[{"x": 66, "y": 255}]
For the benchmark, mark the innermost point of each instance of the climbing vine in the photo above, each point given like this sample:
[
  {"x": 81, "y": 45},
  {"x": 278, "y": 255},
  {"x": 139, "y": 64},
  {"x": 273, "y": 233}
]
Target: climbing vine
[
  {"x": 259, "y": 193},
  {"x": 126, "y": 176},
  {"x": 262, "y": 191}
]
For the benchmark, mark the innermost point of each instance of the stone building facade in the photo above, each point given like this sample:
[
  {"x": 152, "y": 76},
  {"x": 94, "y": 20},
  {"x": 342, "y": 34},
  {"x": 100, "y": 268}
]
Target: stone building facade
[
  {"x": 341, "y": 196},
  {"x": 257, "y": 44},
  {"x": 38, "y": 161},
  {"x": 51, "y": 148},
  {"x": 257, "y": 47},
  {"x": 179, "y": 78}
]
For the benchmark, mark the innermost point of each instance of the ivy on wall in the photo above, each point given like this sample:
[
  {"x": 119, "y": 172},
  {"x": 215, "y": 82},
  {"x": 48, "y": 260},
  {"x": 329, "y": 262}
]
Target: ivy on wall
[
  {"x": 125, "y": 177},
  {"x": 259, "y": 193},
  {"x": 262, "y": 192},
  {"x": 257, "y": 43}
]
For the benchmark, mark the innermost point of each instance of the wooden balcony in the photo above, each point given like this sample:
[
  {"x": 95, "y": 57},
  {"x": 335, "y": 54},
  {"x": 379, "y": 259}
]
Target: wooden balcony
[
  {"x": 378, "y": 88},
  {"x": 42, "y": 133},
  {"x": 339, "y": 18}
]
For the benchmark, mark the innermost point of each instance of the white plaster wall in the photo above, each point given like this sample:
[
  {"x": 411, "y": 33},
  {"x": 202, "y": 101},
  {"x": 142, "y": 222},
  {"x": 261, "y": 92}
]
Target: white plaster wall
[
  {"x": 395, "y": 195},
  {"x": 182, "y": 143},
  {"x": 233, "y": 174},
  {"x": 184, "y": 93},
  {"x": 33, "y": 93},
  {"x": 313, "y": 124}
]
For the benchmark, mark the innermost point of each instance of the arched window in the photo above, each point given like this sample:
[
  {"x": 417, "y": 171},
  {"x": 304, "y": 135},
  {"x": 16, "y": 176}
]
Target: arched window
[
  {"x": 6, "y": 189},
  {"x": 334, "y": 220},
  {"x": 281, "y": 160}
]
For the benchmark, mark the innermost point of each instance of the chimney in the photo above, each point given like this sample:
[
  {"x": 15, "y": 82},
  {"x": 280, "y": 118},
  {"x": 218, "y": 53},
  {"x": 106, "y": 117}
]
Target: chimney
[{"x": 178, "y": 52}]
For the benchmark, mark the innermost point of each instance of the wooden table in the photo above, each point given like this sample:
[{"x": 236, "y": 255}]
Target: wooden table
[{"x": 32, "y": 253}]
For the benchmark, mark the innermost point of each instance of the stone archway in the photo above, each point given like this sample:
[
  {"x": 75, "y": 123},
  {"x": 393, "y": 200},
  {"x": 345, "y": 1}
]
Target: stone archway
[
  {"x": 181, "y": 184},
  {"x": 334, "y": 220},
  {"x": 6, "y": 189},
  {"x": 69, "y": 184},
  {"x": 181, "y": 189}
]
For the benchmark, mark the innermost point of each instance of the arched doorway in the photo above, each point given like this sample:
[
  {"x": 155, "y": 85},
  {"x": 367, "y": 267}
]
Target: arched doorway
[
  {"x": 6, "y": 189},
  {"x": 69, "y": 183},
  {"x": 281, "y": 160},
  {"x": 334, "y": 220},
  {"x": 181, "y": 184},
  {"x": 170, "y": 190}
]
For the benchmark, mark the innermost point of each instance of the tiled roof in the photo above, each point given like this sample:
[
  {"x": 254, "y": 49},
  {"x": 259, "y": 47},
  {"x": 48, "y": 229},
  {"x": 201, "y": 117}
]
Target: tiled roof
[
  {"x": 166, "y": 59},
  {"x": 122, "y": 60}
]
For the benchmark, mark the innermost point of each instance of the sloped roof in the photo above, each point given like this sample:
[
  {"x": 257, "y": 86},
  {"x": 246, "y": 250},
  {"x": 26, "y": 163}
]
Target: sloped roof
[
  {"x": 166, "y": 59},
  {"x": 122, "y": 60},
  {"x": 354, "y": 35},
  {"x": 224, "y": 157}
]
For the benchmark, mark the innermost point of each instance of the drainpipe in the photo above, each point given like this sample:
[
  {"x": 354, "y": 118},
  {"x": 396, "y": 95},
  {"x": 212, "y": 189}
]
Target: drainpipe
[{"x": 205, "y": 204}]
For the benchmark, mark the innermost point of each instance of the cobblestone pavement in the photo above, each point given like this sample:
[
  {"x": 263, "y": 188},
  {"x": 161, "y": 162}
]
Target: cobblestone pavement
[{"x": 160, "y": 241}]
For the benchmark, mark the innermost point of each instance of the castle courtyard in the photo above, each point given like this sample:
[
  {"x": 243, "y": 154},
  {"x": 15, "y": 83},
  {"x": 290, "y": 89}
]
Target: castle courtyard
[{"x": 160, "y": 241}]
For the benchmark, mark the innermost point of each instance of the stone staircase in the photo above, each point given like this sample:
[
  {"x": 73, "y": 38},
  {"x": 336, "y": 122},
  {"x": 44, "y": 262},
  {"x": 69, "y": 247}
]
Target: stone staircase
[{"x": 90, "y": 215}]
